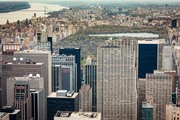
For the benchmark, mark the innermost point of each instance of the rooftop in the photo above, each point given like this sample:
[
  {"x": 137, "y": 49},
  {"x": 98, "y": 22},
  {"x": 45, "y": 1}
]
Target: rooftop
[
  {"x": 153, "y": 41},
  {"x": 54, "y": 95},
  {"x": 77, "y": 115},
  {"x": 33, "y": 51}
]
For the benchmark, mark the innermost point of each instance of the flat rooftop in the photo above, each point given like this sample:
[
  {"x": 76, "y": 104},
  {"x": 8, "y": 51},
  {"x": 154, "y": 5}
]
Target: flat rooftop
[
  {"x": 33, "y": 51},
  {"x": 153, "y": 41},
  {"x": 53, "y": 95},
  {"x": 77, "y": 115}
]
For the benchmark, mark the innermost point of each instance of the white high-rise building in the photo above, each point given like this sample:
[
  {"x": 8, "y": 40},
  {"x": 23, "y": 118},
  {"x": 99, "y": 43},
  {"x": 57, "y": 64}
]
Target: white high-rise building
[
  {"x": 116, "y": 80},
  {"x": 167, "y": 60}
]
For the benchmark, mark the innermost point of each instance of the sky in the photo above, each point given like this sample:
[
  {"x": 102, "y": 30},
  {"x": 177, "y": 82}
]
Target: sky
[{"x": 140, "y": 1}]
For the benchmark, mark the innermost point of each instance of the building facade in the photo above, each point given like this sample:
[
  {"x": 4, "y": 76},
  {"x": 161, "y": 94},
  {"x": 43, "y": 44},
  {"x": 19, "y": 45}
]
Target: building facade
[
  {"x": 61, "y": 101},
  {"x": 172, "y": 112},
  {"x": 147, "y": 111},
  {"x": 77, "y": 53},
  {"x": 91, "y": 79},
  {"x": 22, "y": 98},
  {"x": 116, "y": 80},
  {"x": 148, "y": 57},
  {"x": 85, "y": 98},
  {"x": 19, "y": 69},
  {"x": 69, "y": 70},
  {"x": 56, "y": 78},
  {"x": 159, "y": 86}
]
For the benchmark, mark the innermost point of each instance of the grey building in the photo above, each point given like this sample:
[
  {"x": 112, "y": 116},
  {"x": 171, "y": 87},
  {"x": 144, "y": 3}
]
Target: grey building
[
  {"x": 22, "y": 98},
  {"x": 141, "y": 91},
  {"x": 19, "y": 69},
  {"x": 85, "y": 98},
  {"x": 56, "y": 78},
  {"x": 91, "y": 79},
  {"x": 40, "y": 57},
  {"x": 37, "y": 92},
  {"x": 38, "y": 104},
  {"x": 159, "y": 86},
  {"x": 116, "y": 80},
  {"x": 69, "y": 70}
]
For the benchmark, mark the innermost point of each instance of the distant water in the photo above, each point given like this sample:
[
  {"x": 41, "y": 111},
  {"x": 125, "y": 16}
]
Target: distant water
[
  {"x": 138, "y": 35},
  {"x": 37, "y": 8}
]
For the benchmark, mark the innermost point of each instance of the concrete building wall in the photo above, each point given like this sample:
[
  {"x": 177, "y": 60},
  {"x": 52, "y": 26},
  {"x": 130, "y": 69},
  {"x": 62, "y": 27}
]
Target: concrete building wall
[{"x": 116, "y": 80}]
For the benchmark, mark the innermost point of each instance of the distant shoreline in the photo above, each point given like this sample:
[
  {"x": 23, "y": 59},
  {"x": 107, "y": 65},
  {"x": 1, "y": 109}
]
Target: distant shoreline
[{"x": 6, "y": 7}]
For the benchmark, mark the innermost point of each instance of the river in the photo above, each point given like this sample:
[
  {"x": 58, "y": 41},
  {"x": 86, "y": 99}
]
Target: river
[
  {"x": 37, "y": 8},
  {"x": 138, "y": 35}
]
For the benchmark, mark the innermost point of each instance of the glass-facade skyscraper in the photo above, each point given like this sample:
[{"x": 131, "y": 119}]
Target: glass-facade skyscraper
[
  {"x": 148, "y": 52},
  {"x": 77, "y": 53}
]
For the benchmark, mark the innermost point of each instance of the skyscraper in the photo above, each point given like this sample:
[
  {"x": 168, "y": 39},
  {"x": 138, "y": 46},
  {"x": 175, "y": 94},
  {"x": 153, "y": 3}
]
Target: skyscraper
[
  {"x": 116, "y": 80},
  {"x": 41, "y": 57},
  {"x": 91, "y": 79},
  {"x": 167, "y": 59},
  {"x": 159, "y": 86},
  {"x": 85, "y": 98},
  {"x": 22, "y": 98},
  {"x": 56, "y": 78},
  {"x": 148, "y": 57},
  {"x": 77, "y": 53},
  {"x": 19, "y": 69},
  {"x": 36, "y": 84},
  {"x": 141, "y": 92},
  {"x": 69, "y": 70},
  {"x": 38, "y": 104}
]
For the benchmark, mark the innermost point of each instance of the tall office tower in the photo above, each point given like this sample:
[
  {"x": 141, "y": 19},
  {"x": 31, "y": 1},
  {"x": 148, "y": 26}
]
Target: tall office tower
[
  {"x": 38, "y": 104},
  {"x": 148, "y": 57},
  {"x": 167, "y": 59},
  {"x": 77, "y": 53},
  {"x": 176, "y": 58},
  {"x": 41, "y": 57},
  {"x": 37, "y": 94},
  {"x": 56, "y": 78},
  {"x": 62, "y": 100},
  {"x": 147, "y": 111},
  {"x": 22, "y": 98},
  {"x": 69, "y": 70},
  {"x": 172, "y": 112},
  {"x": 141, "y": 92},
  {"x": 85, "y": 98},
  {"x": 19, "y": 69},
  {"x": 91, "y": 79},
  {"x": 67, "y": 78},
  {"x": 174, "y": 23},
  {"x": 159, "y": 86},
  {"x": 60, "y": 115},
  {"x": 116, "y": 80}
]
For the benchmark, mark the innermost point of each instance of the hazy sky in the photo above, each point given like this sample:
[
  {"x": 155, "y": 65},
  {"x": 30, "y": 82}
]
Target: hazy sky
[{"x": 142, "y": 1}]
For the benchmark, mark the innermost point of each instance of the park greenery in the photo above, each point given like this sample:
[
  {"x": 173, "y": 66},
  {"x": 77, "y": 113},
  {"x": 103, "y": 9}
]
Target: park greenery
[{"x": 89, "y": 44}]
